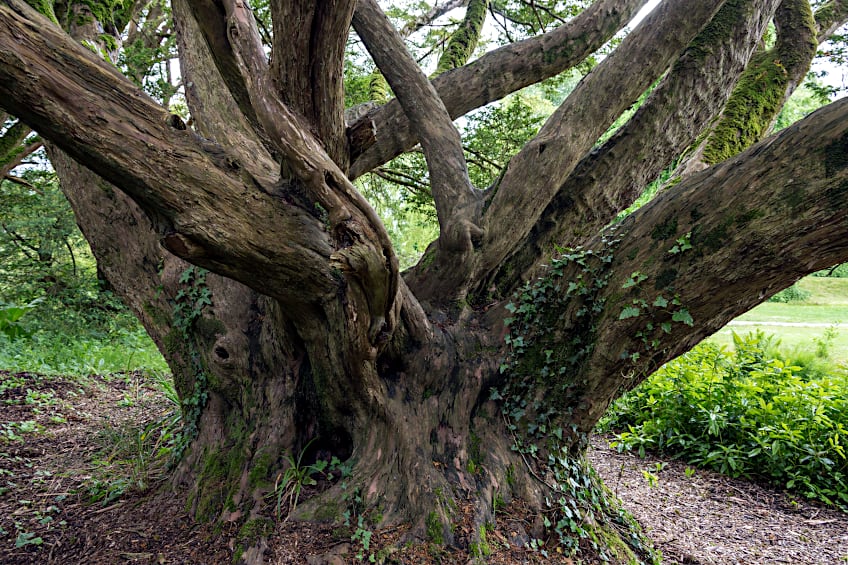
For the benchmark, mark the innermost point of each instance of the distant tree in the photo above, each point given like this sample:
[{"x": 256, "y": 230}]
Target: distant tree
[{"x": 478, "y": 373}]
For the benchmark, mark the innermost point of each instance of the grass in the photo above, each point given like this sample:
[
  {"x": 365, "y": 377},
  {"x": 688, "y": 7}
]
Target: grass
[{"x": 827, "y": 306}]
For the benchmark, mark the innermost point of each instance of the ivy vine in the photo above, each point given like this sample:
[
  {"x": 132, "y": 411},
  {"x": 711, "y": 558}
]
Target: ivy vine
[
  {"x": 188, "y": 304},
  {"x": 540, "y": 376}
]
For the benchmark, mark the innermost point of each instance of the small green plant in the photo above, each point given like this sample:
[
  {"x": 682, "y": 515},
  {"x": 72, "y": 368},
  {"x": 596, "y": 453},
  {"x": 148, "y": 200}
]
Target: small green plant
[
  {"x": 290, "y": 483},
  {"x": 27, "y": 538},
  {"x": 362, "y": 536},
  {"x": 650, "y": 477},
  {"x": 689, "y": 472}
]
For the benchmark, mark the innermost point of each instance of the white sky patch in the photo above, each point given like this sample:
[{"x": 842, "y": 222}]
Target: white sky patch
[{"x": 641, "y": 14}]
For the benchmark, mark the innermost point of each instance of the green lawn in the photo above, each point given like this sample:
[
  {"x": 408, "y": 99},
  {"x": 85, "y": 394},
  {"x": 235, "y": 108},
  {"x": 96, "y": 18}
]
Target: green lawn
[{"x": 827, "y": 306}]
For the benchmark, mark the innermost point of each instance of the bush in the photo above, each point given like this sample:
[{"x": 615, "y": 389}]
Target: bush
[
  {"x": 792, "y": 294},
  {"x": 751, "y": 413},
  {"x": 839, "y": 271}
]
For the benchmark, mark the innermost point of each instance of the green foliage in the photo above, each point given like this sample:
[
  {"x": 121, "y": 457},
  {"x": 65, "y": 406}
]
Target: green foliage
[
  {"x": 805, "y": 100},
  {"x": 92, "y": 351},
  {"x": 132, "y": 459},
  {"x": 793, "y": 293},
  {"x": 541, "y": 379},
  {"x": 753, "y": 413},
  {"x": 495, "y": 133},
  {"x": 297, "y": 475},
  {"x": 837, "y": 271},
  {"x": 188, "y": 305},
  {"x": 10, "y": 315},
  {"x": 70, "y": 322}
]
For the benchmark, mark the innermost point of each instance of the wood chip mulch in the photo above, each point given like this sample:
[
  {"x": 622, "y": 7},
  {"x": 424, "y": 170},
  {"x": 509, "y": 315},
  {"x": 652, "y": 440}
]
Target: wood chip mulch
[{"x": 48, "y": 475}]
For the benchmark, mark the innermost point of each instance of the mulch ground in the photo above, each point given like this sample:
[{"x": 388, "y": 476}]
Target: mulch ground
[{"x": 67, "y": 496}]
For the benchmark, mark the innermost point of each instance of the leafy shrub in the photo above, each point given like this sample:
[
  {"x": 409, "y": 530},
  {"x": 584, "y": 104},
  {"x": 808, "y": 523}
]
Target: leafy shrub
[
  {"x": 839, "y": 271},
  {"x": 792, "y": 294},
  {"x": 750, "y": 413},
  {"x": 10, "y": 316}
]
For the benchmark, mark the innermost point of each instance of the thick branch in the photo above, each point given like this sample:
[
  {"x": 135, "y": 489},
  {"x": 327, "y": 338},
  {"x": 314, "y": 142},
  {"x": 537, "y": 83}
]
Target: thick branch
[
  {"x": 363, "y": 248},
  {"x": 204, "y": 204},
  {"x": 453, "y": 194},
  {"x": 716, "y": 245},
  {"x": 213, "y": 109},
  {"x": 766, "y": 84},
  {"x": 212, "y": 20},
  {"x": 605, "y": 182},
  {"x": 496, "y": 74},
  {"x": 830, "y": 17},
  {"x": 535, "y": 174},
  {"x": 464, "y": 40},
  {"x": 307, "y": 65}
]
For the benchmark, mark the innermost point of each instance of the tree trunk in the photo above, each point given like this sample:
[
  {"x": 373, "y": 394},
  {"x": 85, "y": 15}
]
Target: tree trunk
[{"x": 477, "y": 375}]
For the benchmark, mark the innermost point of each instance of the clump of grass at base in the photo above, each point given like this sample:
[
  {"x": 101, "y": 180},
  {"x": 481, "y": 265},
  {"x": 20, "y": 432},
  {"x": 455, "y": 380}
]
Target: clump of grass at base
[{"x": 752, "y": 413}]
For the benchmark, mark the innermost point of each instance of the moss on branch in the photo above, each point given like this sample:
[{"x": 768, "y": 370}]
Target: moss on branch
[
  {"x": 762, "y": 89},
  {"x": 464, "y": 40}
]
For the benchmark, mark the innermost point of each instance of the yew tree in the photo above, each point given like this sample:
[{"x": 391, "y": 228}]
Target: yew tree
[{"x": 241, "y": 241}]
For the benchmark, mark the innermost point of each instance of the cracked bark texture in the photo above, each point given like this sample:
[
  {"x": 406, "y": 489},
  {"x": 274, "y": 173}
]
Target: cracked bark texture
[{"x": 313, "y": 334}]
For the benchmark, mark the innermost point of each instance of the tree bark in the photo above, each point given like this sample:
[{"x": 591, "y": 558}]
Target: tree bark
[{"x": 304, "y": 330}]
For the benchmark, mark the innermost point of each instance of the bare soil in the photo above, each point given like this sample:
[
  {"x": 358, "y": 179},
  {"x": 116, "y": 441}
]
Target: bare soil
[{"x": 69, "y": 495}]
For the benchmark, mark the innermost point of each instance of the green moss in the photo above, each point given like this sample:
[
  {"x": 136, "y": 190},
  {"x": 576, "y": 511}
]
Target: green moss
[
  {"x": 665, "y": 230},
  {"x": 378, "y": 88},
  {"x": 793, "y": 195},
  {"x": 216, "y": 481},
  {"x": 714, "y": 239},
  {"x": 480, "y": 548},
  {"x": 209, "y": 328},
  {"x": 109, "y": 42},
  {"x": 261, "y": 467},
  {"x": 718, "y": 32},
  {"x": 665, "y": 279},
  {"x": 760, "y": 93},
  {"x": 836, "y": 156},
  {"x": 328, "y": 512},
  {"x": 255, "y": 529},
  {"x": 474, "y": 454},
  {"x": 116, "y": 12},
  {"x": 156, "y": 314},
  {"x": 836, "y": 196},
  {"x": 696, "y": 215},
  {"x": 429, "y": 257},
  {"x": 749, "y": 216},
  {"x": 435, "y": 529},
  {"x": 464, "y": 40},
  {"x": 10, "y": 143},
  {"x": 614, "y": 547},
  {"x": 45, "y": 8}
]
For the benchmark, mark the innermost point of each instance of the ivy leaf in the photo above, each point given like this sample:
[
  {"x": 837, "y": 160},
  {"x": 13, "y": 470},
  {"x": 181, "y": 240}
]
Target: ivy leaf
[
  {"x": 660, "y": 302},
  {"x": 683, "y": 315},
  {"x": 666, "y": 327},
  {"x": 628, "y": 312}
]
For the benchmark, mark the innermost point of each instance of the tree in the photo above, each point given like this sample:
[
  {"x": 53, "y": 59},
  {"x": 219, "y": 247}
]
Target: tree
[{"x": 524, "y": 318}]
